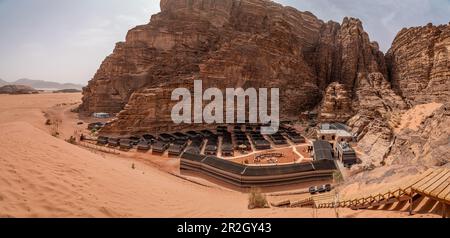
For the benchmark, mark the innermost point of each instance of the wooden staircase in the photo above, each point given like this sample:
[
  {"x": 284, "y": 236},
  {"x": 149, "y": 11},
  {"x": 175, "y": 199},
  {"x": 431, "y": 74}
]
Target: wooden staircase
[{"x": 433, "y": 184}]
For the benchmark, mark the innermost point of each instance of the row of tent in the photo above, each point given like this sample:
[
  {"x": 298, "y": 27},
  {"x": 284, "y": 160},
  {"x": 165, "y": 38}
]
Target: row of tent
[{"x": 248, "y": 175}]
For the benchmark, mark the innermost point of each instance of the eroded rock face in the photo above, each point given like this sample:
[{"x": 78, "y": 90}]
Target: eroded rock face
[
  {"x": 336, "y": 105},
  {"x": 420, "y": 61},
  {"x": 261, "y": 44},
  {"x": 147, "y": 112},
  {"x": 251, "y": 43}
]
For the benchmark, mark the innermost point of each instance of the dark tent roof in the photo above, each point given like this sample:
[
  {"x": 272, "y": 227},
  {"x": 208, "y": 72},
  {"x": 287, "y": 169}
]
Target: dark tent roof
[
  {"x": 160, "y": 146},
  {"x": 334, "y": 126},
  {"x": 322, "y": 150},
  {"x": 227, "y": 147}
]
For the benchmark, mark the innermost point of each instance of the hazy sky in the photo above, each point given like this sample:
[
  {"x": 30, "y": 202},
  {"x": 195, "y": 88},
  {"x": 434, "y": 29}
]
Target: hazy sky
[{"x": 66, "y": 40}]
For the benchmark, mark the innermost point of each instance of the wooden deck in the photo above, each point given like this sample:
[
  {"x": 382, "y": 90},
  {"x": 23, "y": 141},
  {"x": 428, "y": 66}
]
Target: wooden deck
[{"x": 433, "y": 184}]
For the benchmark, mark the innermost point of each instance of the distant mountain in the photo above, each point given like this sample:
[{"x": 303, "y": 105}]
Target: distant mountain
[
  {"x": 40, "y": 84},
  {"x": 3, "y": 82}
]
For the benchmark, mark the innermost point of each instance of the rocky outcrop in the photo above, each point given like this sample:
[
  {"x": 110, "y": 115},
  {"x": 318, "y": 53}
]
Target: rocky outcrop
[
  {"x": 419, "y": 63},
  {"x": 332, "y": 67},
  {"x": 252, "y": 43},
  {"x": 336, "y": 105},
  {"x": 231, "y": 43},
  {"x": 148, "y": 111},
  {"x": 17, "y": 89}
]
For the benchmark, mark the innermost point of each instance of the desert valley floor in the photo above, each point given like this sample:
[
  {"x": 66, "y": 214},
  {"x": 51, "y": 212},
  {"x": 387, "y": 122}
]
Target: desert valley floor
[{"x": 44, "y": 176}]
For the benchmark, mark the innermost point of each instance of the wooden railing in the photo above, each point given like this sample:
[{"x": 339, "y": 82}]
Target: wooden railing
[
  {"x": 399, "y": 193},
  {"x": 97, "y": 148}
]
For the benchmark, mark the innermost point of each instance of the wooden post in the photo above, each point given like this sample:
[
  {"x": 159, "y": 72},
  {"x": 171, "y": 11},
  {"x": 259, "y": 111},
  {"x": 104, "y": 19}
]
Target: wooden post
[
  {"x": 411, "y": 206},
  {"x": 444, "y": 210}
]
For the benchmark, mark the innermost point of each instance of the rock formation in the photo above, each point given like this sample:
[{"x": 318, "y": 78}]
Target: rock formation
[
  {"x": 419, "y": 72},
  {"x": 336, "y": 105},
  {"x": 328, "y": 66},
  {"x": 251, "y": 43},
  {"x": 419, "y": 63},
  {"x": 17, "y": 89},
  {"x": 228, "y": 43}
]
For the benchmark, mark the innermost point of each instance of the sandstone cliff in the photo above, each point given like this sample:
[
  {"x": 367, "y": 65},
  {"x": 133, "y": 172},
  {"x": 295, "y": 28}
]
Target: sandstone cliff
[
  {"x": 419, "y": 73},
  {"x": 250, "y": 43},
  {"x": 419, "y": 63},
  {"x": 231, "y": 43},
  {"x": 329, "y": 66},
  {"x": 336, "y": 105}
]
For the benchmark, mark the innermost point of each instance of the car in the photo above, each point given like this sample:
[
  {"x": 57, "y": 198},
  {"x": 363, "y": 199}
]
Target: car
[
  {"x": 313, "y": 190},
  {"x": 328, "y": 187},
  {"x": 322, "y": 189}
]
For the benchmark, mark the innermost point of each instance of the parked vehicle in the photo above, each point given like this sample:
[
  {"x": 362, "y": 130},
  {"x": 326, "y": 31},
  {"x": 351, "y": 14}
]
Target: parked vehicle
[
  {"x": 322, "y": 189},
  {"x": 313, "y": 190}
]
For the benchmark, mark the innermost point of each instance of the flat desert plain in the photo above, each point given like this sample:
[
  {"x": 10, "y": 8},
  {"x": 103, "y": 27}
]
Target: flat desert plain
[{"x": 44, "y": 176}]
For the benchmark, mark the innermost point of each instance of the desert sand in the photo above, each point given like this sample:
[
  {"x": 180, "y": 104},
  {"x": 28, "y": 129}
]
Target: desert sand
[{"x": 44, "y": 176}]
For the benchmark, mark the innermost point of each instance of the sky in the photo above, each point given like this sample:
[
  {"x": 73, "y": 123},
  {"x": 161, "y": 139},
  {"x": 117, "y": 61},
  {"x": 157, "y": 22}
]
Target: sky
[{"x": 66, "y": 40}]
